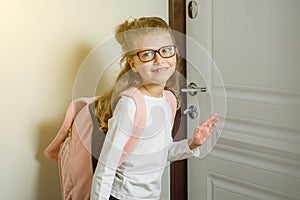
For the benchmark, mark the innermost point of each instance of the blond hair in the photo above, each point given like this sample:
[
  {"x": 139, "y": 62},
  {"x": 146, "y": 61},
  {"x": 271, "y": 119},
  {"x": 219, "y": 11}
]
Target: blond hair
[{"x": 126, "y": 34}]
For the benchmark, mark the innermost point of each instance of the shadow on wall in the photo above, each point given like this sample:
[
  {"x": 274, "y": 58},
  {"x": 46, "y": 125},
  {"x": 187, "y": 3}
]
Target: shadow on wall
[
  {"x": 48, "y": 187},
  {"x": 48, "y": 184}
]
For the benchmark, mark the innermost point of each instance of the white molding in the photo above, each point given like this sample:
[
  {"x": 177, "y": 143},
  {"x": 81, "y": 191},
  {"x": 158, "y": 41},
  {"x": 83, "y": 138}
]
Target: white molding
[
  {"x": 269, "y": 96},
  {"x": 264, "y": 130},
  {"x": 242, "y": 188},
  {"x": 257, "y": 157},
  {"x": 285, "y": 147}
]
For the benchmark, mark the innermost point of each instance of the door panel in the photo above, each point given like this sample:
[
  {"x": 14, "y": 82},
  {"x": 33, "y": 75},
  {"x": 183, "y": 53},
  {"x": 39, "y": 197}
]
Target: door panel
[{"x": 256, "y": 46}]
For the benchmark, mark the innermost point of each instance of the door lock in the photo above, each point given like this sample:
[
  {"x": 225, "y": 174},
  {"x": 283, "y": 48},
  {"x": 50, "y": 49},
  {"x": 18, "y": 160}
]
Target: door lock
[
  {"x": 191, "y": 111},
  {"x": 193, "y": 9},
  {"x": 193, "y": 89}
]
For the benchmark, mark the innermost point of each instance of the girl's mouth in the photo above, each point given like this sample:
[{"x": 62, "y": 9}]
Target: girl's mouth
[{"x": 159, "y": 70}]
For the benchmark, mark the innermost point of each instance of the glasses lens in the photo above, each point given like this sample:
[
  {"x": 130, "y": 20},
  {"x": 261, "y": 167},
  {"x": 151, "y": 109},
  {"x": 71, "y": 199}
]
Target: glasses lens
[
  {"x": 167, "y": 51},
  {"x": 149, "y": 54},
  {"x": 146, "y": 55}
]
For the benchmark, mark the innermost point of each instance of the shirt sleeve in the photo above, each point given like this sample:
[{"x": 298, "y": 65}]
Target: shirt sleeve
[
  {"x": 119, "y": 130},
  {"x": 180, "y": 150}
]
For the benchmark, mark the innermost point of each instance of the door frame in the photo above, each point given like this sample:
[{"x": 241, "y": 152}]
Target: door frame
[{"x": 178, "y": 169}]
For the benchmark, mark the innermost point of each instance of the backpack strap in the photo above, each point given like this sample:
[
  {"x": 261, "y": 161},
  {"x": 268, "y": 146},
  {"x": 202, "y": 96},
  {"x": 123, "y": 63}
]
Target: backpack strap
[
  {"x": 51, "y": 152},
  {"x": 139, "y": 121},
  {"x": 172, "y": 101}
]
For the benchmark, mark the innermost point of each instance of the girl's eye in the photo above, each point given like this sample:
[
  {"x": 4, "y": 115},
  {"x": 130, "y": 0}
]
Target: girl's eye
[
  {"x": 167, "y": 51},
  {"x": 147, "y": 54}
]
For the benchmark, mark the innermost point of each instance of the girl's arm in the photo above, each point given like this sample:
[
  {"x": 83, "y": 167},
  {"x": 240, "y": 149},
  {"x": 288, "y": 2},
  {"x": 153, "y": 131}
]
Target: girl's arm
[
  {"x": 119, "y": 130},
  {"x": 180, "y": 150}
]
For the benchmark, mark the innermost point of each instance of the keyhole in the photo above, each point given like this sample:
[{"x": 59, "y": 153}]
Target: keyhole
[{"x": 193, "y": 9}]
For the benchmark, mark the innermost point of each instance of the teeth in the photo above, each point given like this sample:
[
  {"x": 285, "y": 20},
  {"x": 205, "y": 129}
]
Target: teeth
[{"x": 160, "y": 70}]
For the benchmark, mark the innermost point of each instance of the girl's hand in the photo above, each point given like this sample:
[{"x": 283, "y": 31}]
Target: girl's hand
[{"x": 203, "y": 131}]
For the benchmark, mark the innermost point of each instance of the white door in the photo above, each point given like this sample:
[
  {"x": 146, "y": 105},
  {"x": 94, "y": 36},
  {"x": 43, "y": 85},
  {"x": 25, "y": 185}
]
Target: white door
[{"x": 256, "y": 46}]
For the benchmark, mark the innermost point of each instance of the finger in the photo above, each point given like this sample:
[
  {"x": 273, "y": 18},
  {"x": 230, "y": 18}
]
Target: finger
[
  {"x": 212, "y": 128},
  {"x": 206, "y": 123},
  {"x": 214, "y": 117},
  {"x": 214, "y": 122},
  {"x": 214, "y": 125},
  {"x": 200, "y": 128}
]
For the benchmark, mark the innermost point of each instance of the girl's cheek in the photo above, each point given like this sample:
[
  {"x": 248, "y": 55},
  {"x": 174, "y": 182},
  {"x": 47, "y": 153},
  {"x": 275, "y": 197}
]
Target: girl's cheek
[{"x": 173, "y": 64}]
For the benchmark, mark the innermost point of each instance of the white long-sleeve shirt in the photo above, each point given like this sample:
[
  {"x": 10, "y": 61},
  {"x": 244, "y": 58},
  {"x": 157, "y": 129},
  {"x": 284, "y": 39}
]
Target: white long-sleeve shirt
[{"x": 139, "y": 176}]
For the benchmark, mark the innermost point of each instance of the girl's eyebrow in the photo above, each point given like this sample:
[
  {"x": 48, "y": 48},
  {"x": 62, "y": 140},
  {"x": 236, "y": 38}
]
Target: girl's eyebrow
[
  {"x": 138, "y": 50},
  {"x": 144, "y": 49}
]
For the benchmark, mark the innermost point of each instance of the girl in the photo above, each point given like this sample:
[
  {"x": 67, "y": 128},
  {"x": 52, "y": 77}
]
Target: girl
[{"x": 150, "y": 59}]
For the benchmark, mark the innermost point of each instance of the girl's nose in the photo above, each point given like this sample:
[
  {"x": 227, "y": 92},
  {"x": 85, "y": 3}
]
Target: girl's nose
[{"x": 158, "y": 58}]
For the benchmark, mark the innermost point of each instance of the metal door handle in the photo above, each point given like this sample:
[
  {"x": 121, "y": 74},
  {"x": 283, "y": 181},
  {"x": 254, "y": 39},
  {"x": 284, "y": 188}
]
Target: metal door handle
[
  {"x": 191, "y": 111},
  {"x": 193, "y": 89}
]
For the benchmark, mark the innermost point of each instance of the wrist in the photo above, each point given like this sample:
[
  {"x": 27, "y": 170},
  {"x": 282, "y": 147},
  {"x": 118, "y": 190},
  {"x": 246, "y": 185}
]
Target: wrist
[{"x": 192, "y": 144}]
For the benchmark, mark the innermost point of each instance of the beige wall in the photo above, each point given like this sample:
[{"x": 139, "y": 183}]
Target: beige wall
[{"x": 42, "y": 44}]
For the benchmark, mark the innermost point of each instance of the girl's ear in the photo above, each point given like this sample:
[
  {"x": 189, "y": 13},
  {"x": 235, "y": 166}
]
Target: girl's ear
[{"x": 132, "y": 64}]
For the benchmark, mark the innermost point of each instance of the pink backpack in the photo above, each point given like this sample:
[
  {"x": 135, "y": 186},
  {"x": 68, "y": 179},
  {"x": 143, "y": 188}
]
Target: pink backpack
[{"x": 78, "y": 143}]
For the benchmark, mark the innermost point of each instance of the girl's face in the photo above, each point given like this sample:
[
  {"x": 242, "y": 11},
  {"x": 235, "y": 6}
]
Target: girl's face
[{"x": 160, "y": 69}]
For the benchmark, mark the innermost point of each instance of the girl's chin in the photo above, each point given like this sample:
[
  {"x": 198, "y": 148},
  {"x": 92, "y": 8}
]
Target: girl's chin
[
  {"x": 161, "y": 81},
  {"x": 158, "y": 78}
]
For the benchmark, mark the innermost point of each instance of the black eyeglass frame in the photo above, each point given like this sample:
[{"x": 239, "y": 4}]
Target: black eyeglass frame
[{"x": 155, "y": 51}]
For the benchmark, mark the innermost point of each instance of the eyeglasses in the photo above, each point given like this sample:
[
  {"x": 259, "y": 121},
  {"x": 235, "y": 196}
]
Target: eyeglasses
[{"x": 149, "y": 54}]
